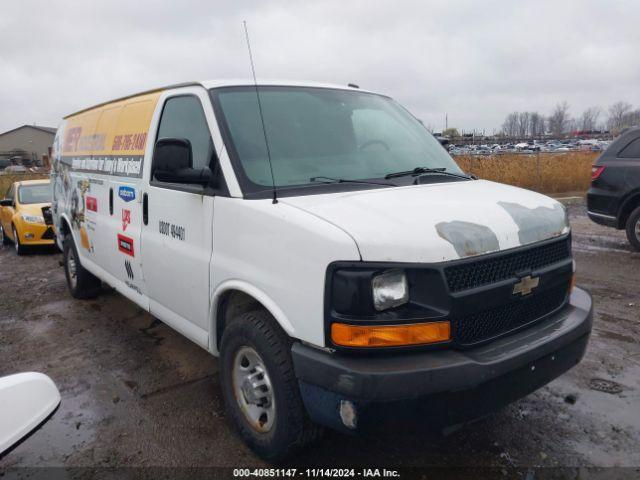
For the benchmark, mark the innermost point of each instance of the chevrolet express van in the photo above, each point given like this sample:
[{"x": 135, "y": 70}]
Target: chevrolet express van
[{"x": 325, "y": 246}]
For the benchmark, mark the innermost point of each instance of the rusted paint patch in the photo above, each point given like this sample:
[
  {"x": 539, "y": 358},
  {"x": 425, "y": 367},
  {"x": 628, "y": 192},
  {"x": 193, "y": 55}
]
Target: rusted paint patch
[
  {"x": 540, "y": 223},
  {"x": 468, "y": 238}
]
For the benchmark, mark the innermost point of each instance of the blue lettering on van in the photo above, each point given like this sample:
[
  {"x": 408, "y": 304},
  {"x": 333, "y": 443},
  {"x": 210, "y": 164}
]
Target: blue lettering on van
[{"x": 127, "y": 193}]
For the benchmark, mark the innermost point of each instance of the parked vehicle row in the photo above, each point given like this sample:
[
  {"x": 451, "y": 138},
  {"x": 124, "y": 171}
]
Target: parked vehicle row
[{"x": 532, "y": 146}]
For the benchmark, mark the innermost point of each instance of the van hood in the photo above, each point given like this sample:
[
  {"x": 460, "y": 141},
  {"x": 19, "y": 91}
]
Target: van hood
[{"x": 438, "y": 222}]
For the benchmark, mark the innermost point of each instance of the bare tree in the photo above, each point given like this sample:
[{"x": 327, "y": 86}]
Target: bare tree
[
  {"x": 536, "y": 124},
  {"x": 523, "y": 124},
  {"x": 589, "y": 119},
  {"x": 510, "y": 125},
  {"x": 632, "y": 118},
  {"x": 618, "y": 115},
  {"x": 559, "y": 119},
  {"x": 451, "y": 132}
]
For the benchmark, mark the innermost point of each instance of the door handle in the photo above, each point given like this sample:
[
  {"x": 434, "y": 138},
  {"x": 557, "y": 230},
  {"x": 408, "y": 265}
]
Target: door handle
[
  {"x": 145, "y": 208},
  {"x": 111, "y": 201}
]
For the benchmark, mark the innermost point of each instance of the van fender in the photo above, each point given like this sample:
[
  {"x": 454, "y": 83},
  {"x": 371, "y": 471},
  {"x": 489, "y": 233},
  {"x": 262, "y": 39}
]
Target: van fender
[
  {"x": 81, "y": 256},
  {"x": 245, "y": 287},
  {"x": 64, "y": 218}
]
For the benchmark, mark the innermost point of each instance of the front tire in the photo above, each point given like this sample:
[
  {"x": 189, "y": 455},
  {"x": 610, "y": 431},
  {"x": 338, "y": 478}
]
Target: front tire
[
  {"x": 633, "y": 229},
  {"x": 82, "y": 283},
  {"x": 260, "y": 388},
  {"x": 5, "y": 239},
  {"x": 19, "y": 248}
]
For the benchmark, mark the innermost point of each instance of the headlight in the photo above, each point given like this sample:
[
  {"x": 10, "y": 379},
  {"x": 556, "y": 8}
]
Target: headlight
[
  {"x": 32, "y": 218},
  {"x": 390, "y": 289}
]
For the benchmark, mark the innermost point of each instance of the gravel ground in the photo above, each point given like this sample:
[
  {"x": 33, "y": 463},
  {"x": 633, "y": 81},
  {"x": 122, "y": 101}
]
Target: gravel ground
[{"x": 135, "y": 393}]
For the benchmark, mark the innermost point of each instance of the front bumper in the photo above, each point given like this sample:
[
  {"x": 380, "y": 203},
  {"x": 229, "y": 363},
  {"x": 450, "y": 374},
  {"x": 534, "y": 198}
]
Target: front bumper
[
  {"x": 457, "y": 385},
  {"x": 602, "y": 205},
  {"x": 36, "y": 234},
  {"x": 602, "y": 219}
]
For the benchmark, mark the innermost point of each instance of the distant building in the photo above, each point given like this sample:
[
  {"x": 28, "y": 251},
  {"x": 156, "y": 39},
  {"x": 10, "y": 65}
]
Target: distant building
[{"x": 28, "y": 145}]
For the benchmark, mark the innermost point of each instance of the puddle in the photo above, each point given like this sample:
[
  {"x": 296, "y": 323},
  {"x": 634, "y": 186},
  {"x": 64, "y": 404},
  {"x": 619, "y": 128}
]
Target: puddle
[{"x": 69, "y": 430}]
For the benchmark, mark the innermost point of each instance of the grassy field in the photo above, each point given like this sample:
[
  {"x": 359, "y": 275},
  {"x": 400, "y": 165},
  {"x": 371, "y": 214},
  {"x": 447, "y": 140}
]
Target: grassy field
[
  {"x": 544, "y": 172},
  {"x": 7, "y": 180}
]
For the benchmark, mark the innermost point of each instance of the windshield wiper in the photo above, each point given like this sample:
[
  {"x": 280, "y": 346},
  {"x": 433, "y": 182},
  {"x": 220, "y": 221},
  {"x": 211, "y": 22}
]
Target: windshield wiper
[
  {"x": 343, "y": 180},
  {"x": 420, "y": 170}
]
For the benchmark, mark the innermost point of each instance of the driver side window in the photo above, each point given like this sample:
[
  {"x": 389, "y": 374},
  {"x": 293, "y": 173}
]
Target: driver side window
[{"x": 183, "y": 118}]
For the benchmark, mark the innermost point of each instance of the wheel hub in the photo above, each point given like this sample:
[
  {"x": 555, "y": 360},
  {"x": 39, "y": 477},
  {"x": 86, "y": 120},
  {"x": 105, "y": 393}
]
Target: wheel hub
[
  {"x": 71, "y": 268},
  {"x": 253, "y": 389}
]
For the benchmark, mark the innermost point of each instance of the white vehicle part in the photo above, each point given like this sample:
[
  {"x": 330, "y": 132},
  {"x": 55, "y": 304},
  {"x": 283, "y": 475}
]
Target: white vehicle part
[
  {"x": 439, "y": 222},
  {"x": 279, "y": 255},
  {"x": 177, "y": 240},
  {"x": 26, "y": 400}
]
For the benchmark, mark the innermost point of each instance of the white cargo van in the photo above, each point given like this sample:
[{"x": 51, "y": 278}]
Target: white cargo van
[{"x": 325, "y": 246}]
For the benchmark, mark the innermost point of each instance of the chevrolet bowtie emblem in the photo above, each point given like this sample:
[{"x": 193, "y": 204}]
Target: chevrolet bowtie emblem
[{"x": 526, "y": 285}]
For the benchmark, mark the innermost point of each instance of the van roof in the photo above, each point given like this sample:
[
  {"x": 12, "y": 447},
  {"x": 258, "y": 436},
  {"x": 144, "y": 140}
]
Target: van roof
[{"x": 222, "y": 83}]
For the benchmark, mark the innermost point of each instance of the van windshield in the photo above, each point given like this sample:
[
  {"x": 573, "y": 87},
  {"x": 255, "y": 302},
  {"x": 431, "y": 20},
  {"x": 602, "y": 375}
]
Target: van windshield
[
  {"x": 40, "y": 193},
  {"x": 320, "y": 133}
]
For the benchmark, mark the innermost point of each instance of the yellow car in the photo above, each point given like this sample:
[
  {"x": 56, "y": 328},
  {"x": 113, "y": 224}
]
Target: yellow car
[{"x": 22, "y": 215}]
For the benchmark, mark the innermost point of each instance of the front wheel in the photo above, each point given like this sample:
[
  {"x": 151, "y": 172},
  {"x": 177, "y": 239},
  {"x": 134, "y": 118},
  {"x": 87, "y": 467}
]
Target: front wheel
[
  {"x": 81, "y": 282},
  {"x": 16, "y": 241},
  {"x": 633, "y": 229},
  {"x": 260, "y": 389},
  {"x": 5, "y": 239}
]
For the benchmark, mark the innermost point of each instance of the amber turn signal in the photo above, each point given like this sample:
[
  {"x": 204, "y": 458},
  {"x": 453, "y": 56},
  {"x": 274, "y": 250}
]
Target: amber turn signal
[{"x": 390, "y": 335}]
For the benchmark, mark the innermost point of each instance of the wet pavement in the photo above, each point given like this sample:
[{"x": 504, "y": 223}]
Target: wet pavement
[{"x": 135, "y": 393}]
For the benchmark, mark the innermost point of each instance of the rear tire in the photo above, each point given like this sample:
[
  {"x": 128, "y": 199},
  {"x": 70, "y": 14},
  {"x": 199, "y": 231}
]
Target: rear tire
[
  {"x": 633, "y": 229},
  {"x": 82, "y": 283},
  {"x": 16, "y": 242},
  {"x": 254, "y": 347},
  {"x": 5, "y": 239}
]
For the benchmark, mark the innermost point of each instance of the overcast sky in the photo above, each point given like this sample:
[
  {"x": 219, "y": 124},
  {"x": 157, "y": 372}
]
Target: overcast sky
[{"x": 476, "y": 61}]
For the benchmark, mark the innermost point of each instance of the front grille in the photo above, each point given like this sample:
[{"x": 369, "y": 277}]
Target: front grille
[
  {"x": 497, "y": 321},
  {"x": 472, "y": 274},
  {"x": 48, "y": 234},
  {"x": 47, "y": 215}
]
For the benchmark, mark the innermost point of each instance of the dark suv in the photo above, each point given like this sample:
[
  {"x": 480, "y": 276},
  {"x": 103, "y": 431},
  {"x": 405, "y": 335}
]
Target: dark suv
[{"x": 614, "y": 196}]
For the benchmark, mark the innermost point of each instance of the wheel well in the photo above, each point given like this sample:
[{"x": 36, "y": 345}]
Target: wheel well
[
  {"x": 64, "y": 227},
  {"x": 628, "y": 207},
  {"x": 231, "y": 304}
]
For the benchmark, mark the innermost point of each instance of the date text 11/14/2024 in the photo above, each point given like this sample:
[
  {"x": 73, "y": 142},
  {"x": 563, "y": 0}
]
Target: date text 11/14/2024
[{"x": 316, "y": 473}]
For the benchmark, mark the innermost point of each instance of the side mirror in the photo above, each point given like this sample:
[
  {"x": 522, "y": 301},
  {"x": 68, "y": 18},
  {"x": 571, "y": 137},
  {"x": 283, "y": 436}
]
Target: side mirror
[
  {"x": 6, "y": 202},
  {"x": 191, "y": 176},
  {"x": 172, "y": 154},
  {"x": 27, "y": 400},
  {"x": 173, "y": 163}
]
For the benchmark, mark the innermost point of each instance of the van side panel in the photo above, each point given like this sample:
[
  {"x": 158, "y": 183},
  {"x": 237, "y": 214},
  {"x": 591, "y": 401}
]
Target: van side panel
[{"x": 96, "y": 152}]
